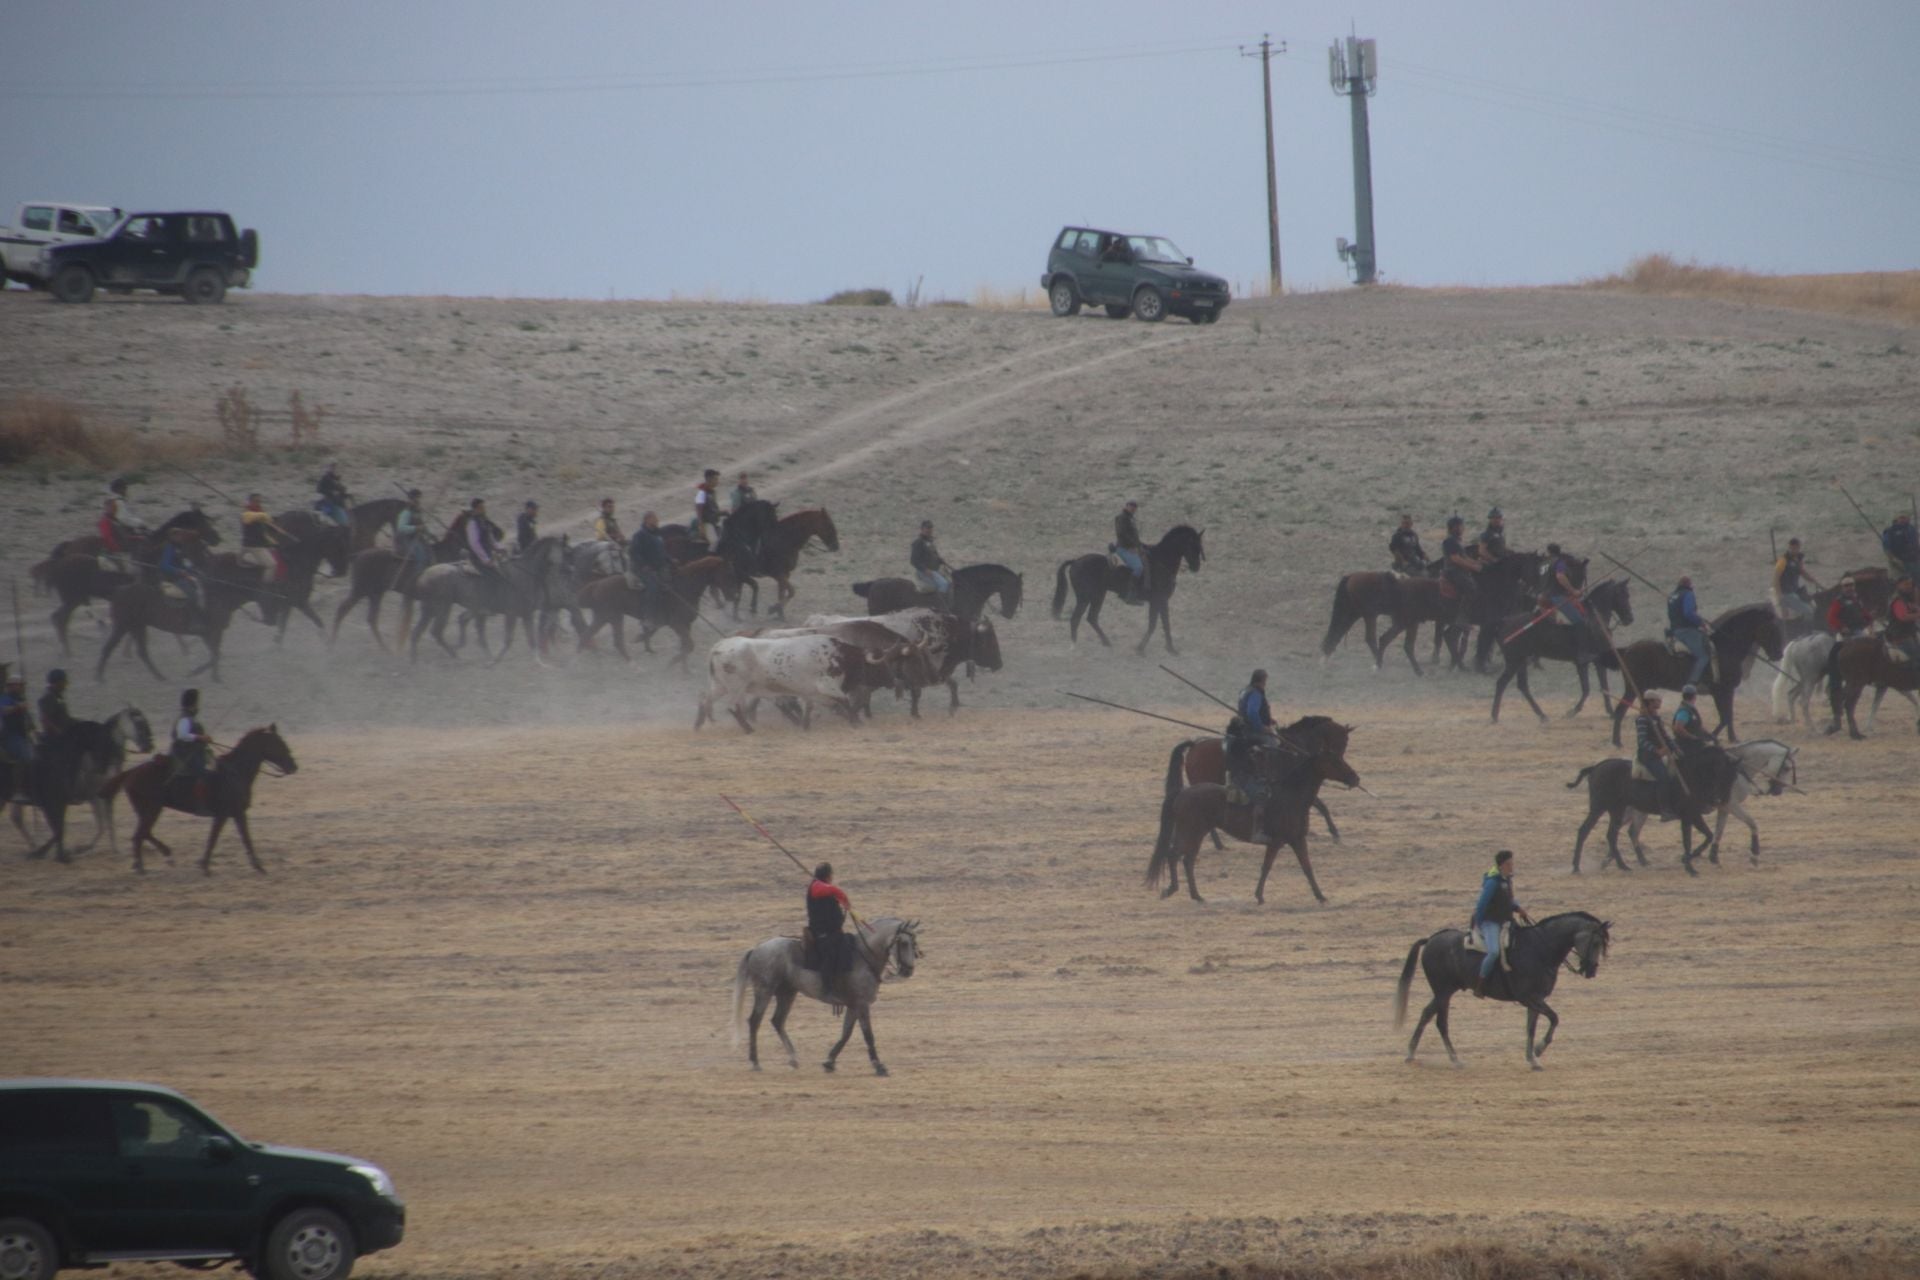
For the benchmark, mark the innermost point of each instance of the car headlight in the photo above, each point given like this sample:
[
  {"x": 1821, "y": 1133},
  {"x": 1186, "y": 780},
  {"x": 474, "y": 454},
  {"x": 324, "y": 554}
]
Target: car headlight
[{"x": 382, "y": 1184}]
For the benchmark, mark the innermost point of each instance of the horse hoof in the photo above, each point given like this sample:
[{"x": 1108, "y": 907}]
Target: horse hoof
[
  {"x": 880, "y": 1069},
  {"x": 754, "y": 1065},
  {"x": 1536, "y": 1066},
  {"x": 827, "y": 1067},
  {"x": 1408, "y": 1059},
  {"x": 1457, "y": 1065}
]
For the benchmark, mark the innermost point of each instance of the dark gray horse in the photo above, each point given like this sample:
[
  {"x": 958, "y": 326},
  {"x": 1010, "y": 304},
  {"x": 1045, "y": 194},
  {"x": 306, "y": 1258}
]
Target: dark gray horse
[
  {"x": 1759, "y": 766},
  {"x": 775, "y": 970},
  {"x": 973, "y": 586},
  {"x": 1093, "y": 577},
  {"x": 522, "y": 587},
  {"x": 1535, "y": 956},
  {"x": 72, "y": 772},
  {"x": 1525, "y": 637}
]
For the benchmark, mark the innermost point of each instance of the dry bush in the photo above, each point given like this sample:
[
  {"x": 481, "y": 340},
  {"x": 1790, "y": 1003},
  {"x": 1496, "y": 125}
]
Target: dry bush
[
  {"x": 1464, "y": 1261},
  {"x": 1886, "y": 295},
  {"x": 988, "y": 298},
  {"x": 239, "y": 421},
  {"x": 860, "y": 298},
  {"x": 46, "y": 431},
  {"x": 305, "y": 422}
]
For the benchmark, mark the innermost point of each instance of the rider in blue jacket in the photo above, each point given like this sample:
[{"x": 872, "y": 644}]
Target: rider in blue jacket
[
  {"x": 1494, "y": 909},
  {"x": 1688, "y": 627}
]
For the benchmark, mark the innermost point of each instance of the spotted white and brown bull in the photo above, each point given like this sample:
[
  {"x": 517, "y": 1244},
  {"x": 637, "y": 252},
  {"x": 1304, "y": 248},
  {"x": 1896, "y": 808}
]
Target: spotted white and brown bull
[
  {"x": 813, "y": 670},
  {"x": 948, "y": 640}
]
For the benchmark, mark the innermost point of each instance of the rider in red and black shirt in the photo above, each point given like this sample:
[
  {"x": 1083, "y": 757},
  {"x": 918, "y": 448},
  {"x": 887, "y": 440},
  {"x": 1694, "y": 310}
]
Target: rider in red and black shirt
[{"x": 827, "y": 908}]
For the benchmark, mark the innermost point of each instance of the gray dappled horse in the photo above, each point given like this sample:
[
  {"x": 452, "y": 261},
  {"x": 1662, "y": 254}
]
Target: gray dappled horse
[
  {"x": 1761, "y": 766},
  {"x": 775, "y": 970},
  {"x": 93, "y": 751},
  {"x": 1572, "y": 938},
  {"x": 520, "y": 589}
]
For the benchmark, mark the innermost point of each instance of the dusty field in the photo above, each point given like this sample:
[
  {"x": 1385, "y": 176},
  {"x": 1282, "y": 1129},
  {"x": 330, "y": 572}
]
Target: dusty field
[{"x": 494, "y": 948}]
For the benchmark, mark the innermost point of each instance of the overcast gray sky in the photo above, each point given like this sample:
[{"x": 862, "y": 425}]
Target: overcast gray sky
[{"x": 781, "y": 150}]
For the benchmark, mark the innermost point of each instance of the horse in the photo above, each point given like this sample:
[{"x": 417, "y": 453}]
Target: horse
[
  {"x": 1313, "y": 751},
  {"x": 518, "y": 588},
  {"x": 742, "y": 534},
  {"x": 1709, "y": 775},
  {"x": 1763, "y": 766},
  {"x": 77, "y": 577},
  {"x": 366, "y": 520},
  {"x": 92, "y": 751},
  {"x": 1864, "y": 662},
  {"x": 1093, "y": 575},
  {"x": 1736, "y": 635},
  {"x": 973, "y": 586},
  {"x": 192, "y": 519},
  {"x": 1363, "y": 597},
  {"x": 612, "y": 599},
  {"x": 1414, "y": 601},
  {"x": 779, "y": 551},
  {"x": 312, "y": 540},
  {"x": 376, "y": 571},
  {"x": 778, "y": 976},
  {"x": 1874, "y": 586},
  {"x": 1524, "y": 638},
  {"x": 225, "y": 586},
  {"x": 1206, "y": 761},
  {"x": 1534, "y": 956},
  {"x": 151, "y": 788}
]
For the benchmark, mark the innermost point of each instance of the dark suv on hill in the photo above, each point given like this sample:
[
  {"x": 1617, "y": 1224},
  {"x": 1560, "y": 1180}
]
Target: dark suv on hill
[
  {"x": 1143, "y": 276},
  {"x": 96, "y": 1171},
  {"x": 198, "y": 256}
]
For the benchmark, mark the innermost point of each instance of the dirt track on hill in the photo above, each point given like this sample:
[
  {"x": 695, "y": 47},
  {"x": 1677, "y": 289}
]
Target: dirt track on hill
[{"x": 504, "y": 905}]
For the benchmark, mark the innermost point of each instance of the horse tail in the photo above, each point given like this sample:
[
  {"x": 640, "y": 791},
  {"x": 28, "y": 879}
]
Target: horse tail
[
  {"x": 1345, "y": 614},
  {"x": 1581, "y": 776},
  {"x": 1060, "y": 589},
  {"x": 1406, "y": 981},
  {"x": 1163, "y": 845},
  {"x": 861, "y": 588},
  {"x": 739, "y": 1018}
]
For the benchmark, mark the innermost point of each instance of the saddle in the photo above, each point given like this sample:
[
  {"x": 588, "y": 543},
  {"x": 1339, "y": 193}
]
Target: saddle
[
  {"x": 1478, "y": 947},
  {"x": 1894, "y": 652}
]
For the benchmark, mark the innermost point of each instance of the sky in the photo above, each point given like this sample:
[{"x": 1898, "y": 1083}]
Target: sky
[{"x": 777, "y": 151}]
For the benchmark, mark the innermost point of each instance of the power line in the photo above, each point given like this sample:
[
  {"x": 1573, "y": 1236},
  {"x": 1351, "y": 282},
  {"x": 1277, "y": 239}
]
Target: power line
[{"x": 643, "y": 82}]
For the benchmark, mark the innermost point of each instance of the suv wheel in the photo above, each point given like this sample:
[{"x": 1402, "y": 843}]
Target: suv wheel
[
  {"x": 308, "y": 1244},
  {"x": 1065, "y": 298},
  {"x": 205, "y": 285},
  {"x": 1148, "y": 305},
  {"x": 72, "y": 283},
  {"x": 1118, "y": 311},
  {"x": 27, "y": 1251}
]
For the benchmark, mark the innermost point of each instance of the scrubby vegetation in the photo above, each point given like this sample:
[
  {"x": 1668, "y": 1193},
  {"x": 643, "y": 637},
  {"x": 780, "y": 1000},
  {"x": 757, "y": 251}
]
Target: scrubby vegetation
[
  {"x": 860, "y": 298},
  {"x": 1891, "y": 295}
]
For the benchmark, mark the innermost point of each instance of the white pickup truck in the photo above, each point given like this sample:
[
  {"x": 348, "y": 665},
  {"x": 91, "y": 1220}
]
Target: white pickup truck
[{"x": 41, "y": 223}]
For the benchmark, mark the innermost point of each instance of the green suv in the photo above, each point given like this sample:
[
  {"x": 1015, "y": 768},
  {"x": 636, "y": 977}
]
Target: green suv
[
  {"x": 95, "y": 1171},
  {"x": 1143, "y": 276}
]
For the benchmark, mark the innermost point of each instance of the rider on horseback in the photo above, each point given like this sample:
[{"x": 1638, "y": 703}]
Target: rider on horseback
[
  {"x": 192, "y": 748},
  {"x": 1250, "y": 732},
  {"x": 526, "y": 526},
  {"x": 1131, "y": 552},
  {"x": 1563, "y": 595},
  {"x": 1790, "y": 597},
  {"x": 1848, "y": 617},
  {"x": 115, "y": 534},
  {"x": 930, "y": 568},
  {"x": 1901, "y": 542},
  {"x": 482, "y": 551},
  {"x": 55, "y": 719},
  {"x": 176, "y": 568},
  {"x": 647, "y": 563},
  {"x": 740, "y": 495},
  {"x": 16, "y": 721},
  {"x": 1685, "y": 625},
  {"x": 1903, "y": 621},
  {"x": 1492, "y": 542},
  {"x": 260, "y": 538},
  {"x": 606, "y": 527},
  {"x": 129, "y": 518},
  {"x": 334, "y": 498},
  {"x": 1460, "y": 568},
  {"x": 1409, "y": 557},
  {"x": 1652, "y": 751},
  {"x": 706, "y": 508},
  {"x": 1689, "y": 728},
  {"x": 827, "y": 907},
  {"x": 410, "y": 534},
  {"x": 1492, "y": 912}
]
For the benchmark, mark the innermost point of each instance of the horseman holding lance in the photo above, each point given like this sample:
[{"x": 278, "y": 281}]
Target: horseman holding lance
[
  {"x": 827, "y": 952},
  {"x": 192, "y": 747},
  {"x": 410, "y": 535},
  {"x": 1901, "y": 541},
  {"x": 1903, "y": 621},
  {"x": 1409, "y": 557},
  {"x": 16, "y": 721},
  {"x": 1688, "y": 628},
  {"x": 129, "y": 518},
  {"x": 1565, "y": 597},
  {"x": 1131, "y": 552},
  {"x": 1653, "y": 752},
  {"x": 1492, "y": 542},
  {"x": 930, "y": 568},
  {"x": 482, "y": 551},
  {"x": 335, "y": 502}
]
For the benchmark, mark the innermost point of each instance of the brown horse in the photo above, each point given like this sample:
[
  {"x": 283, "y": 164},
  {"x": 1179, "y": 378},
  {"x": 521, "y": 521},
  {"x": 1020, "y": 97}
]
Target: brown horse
[
  {"x": 226, "y": 584},
  {"x": 611, "y": 600},
  {"x": 92, "y": 544},
  {"x": 1093, "y": 576},
  {"x": 1738, "y": 634},
  {"x": 1861, "y": 663},
  {"x": 1186, "y": 816},
  {"x": 1418, "y": 600},
  {"x": 780, "y": 550},
  {"x": 368, "y": 518},
  {"x": 1361, "y": 597},
  {"x": 77, "y": 578},
  {"x": 1206, "y": 761},
  {"x": 223, "y": 795},
  {"x": 312, "y": 540}
]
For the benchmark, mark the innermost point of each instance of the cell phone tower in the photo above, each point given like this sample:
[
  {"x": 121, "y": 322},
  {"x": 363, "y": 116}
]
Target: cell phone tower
[{"x": 1354, "y": 70}]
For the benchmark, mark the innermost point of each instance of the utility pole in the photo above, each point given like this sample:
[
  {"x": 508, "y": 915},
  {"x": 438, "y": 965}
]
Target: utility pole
[
  {"x": 1354, "y": 71},
  {"x": 1265, "y": 52}
]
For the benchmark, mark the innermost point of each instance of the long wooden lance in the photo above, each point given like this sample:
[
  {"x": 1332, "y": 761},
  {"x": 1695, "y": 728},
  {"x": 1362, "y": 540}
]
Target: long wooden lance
[
  {"x": 1550, "y": 610},
  {"x": 229, "y": 498},
  {"x": 1634, "y": 687},
  {"x": 1865, "y": 519},
  {"x": 1638, "y": 576},
  {"x": 1197, "y": 689},
  {"x": 1185, "y": 724},
  {"x": 872, "y": 959}
]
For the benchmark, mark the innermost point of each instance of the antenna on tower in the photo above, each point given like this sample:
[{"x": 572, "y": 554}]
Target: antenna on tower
[{"x": 1353, "y": 70}]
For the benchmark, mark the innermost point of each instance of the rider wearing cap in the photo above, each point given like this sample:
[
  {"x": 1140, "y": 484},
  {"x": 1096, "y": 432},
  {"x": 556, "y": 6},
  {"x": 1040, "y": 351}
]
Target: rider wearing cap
[
  {"x": 1409, "y": 556},
  {"x": 1652, "y": 751},
  {"x": 192, "y": 747},
  {"x": 827, "y": 909},
  {"x": 606, "y": 526},
  {"x": 1790, "y": 597},
  {"x": 334, "y": 498},
  {"x": 1564, "y": 594},
  {"x": 706, "y": 506},
  {"x": 1901, "y": 542},
  {"x": 1685, "y": 624},
  {"x": 1848, "y": 616},
  {"x": 1689, "y": 728},
  {"x": 1127, "y": 546},
  {"x": 1492, "y": 541}
]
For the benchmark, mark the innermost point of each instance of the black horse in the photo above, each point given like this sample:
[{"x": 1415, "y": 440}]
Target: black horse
[
  {"x": 1502, "y": 587},
  {"x": 1612, "y": 789},
  {"x": 1525, "y": 637},
  {"x": 70, "y": 770},
  {"x": 973, "y": 586},
  {"x": 1535, "y": 956},
  {"x": 1093, "y": 576},
  {"x": 1737, "y": 635}
]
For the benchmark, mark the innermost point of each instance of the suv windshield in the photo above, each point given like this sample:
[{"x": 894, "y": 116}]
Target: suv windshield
[{"x": 1155, "y": 249}]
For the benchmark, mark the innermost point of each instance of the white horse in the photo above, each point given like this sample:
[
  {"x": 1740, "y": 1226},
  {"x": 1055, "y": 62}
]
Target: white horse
[
  {"x": 774, "y": 967},
  {"x": 1803, "y": 673},
  {"x": 595, "y": 559},
  {"x": 1763, "y": 766}
]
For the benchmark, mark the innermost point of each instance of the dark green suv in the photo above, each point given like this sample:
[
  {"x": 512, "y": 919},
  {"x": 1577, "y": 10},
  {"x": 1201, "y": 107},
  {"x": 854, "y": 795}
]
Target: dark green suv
[
  {"x": 1143, "y": 276},
  {"x": 97, "y": 1171}
]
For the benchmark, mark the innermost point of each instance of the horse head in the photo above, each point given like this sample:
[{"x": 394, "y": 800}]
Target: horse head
[
  {"x": 1620, "y": 601},
  {"x": 906, "y": 947},
  {"x": 196, "y": 521},
  {"x": 270, "y": 747},
  {"x": 1590, "y": 943},
  {"x": 140, "y": 733},
  {"x": 826, "y": 532},
  {"x": 1010, "y": 595},
  {"x": 1187, "y": 543}
]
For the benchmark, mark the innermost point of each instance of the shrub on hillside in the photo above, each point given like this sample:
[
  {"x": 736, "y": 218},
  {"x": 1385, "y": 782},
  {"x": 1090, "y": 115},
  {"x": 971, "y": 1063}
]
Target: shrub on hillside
[{"x": 861, "y": 298}]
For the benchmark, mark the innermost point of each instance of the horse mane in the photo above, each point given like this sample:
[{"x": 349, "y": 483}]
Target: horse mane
[
  {"x": 981, "y": 568},
  {"x": 1588, "y": 916},
  {"x": 1306, "y": 724},
  {"x": 1740, "y": 611}
]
